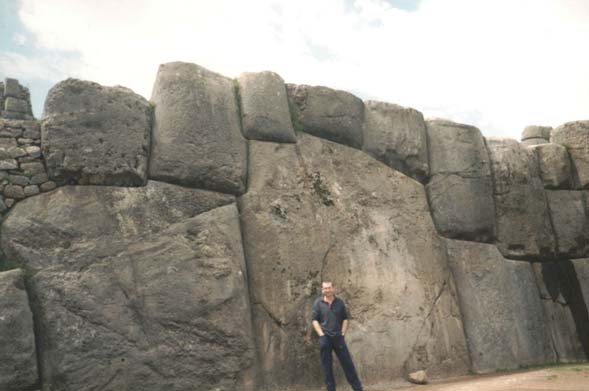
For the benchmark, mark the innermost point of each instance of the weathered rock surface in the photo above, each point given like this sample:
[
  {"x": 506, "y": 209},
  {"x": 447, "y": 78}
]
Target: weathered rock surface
[
  {"x": 460, "y": 190},
  {"x": 536, "y": 132},
  {"x": 565, "y": 309},
  {"x": 397, "y": 137},
  {"x": 555, "y": 165},
  {"x": 142, "y": 287},
  {"x": 96, "y": 135},
  {"x": 197, "y": 140},
  {"x": 18, "y": 359},
  {"x": 502, "y": 313},
  {"x": 575, "y": 137},
  {"x": 524, "y": 229},
  {"x": 327, "y": 113},
  {"x": 418, "y": 377},
  {"x": 319, "y": 210},
  {"x": 568, "y": 210},
  {"x": 264, "y": 108}
]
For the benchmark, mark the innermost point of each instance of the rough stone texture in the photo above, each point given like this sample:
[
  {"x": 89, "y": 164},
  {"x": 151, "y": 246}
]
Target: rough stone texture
[
  {"x": 502, "y": 313},
  {"x": 555, "y": 165},
  {"x": 460, "y": 190},
  {"x": 534, "y": 141},
  {"x": 96, "y": 135},
  {"x": 12, "y": 88},
  {"x": 397, "y": 137},
  {"x": 197, "y": 140},
  {"x": 319, "y": 210},
  {"x": 575, "y": 137},
  {"x": 14, "y": 191},
  {"x": 418, "y": 377},
  {"x": 14, "y": 104},
  {"x": 327, "y": 113},
  {"x": 264, "y": 108},
  {"x": 565, "y": 309},
  {"x": 536, "y": 132},
  {"x": 136, "y": 287},
  {"x": 568, "y": 211},
  {"x": 524, "y": 229},
  {"x": 18, "y": 360},
  {"x": 47, "y": 186}
]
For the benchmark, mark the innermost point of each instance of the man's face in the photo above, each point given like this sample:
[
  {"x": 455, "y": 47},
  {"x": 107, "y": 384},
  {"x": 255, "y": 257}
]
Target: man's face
[{"x": 327, "y": 289}]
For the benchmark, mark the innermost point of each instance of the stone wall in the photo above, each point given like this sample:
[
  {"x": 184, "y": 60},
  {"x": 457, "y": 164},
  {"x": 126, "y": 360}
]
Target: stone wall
[
  {"x": 182, "y": 241},
  {"x": 15, "y": 100}
]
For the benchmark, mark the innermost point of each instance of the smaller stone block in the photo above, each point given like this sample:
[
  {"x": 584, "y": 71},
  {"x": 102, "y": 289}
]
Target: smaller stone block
[
  {"x": 12, "y": 88},
  {"x": 327, "y": 113},
  {"x": 32, "y": 168},
  {"x": 38, "y": 179},
  {"x": 264, "y": 108},
  {"x": 8, "y": 164},
  {"x": 16, "y": 152},
  {"x": 31, "y": 190},
  {"x": 9, "y": 202},
  {"x": 33, "y": 151},
  {"x": 15, "y": 104},
  {"x": 14, "y": 191},
  {"x": 555, "y": 166},
  {"x": 47, "y": 186},
  {"x": 19, "y": 180},
  {"x": 534, "y": 141},
  {"x": 536, "y": 132},
  {"x": 575, "y": 137}
]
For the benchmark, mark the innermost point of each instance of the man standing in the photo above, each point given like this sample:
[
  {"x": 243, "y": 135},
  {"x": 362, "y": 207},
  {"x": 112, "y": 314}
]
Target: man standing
[{"x": 330, "y": 321}]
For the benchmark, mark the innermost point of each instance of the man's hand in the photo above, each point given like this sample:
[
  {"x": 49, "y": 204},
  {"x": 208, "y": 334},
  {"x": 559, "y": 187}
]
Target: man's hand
[
  {"x": 344, "y": 327},
  {"x": 317, "y": 328}
]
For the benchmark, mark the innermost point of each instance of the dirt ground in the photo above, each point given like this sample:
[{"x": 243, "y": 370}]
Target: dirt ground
[{"x": 560, "y": 378}]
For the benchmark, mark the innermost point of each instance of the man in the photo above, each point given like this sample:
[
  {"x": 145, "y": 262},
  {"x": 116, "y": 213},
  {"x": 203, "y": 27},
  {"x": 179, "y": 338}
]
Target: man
[{"x": 330, "y": 321}]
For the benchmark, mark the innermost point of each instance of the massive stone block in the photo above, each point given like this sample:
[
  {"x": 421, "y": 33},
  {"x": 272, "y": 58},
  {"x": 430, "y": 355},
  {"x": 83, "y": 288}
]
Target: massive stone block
[
  {"x": 575, "y": 137},
  {"x": 568, "y": 210},
  {"x": 197, "y": 139},
  {"x": 18, "y": 359},
  {"x": 142, "y": 288},
  {"x": 264, "y": 108},
  {"x": 524, "y": 229},
  {"x": 96, "y": 135},
  {"x": 319, "y": 210},
  {"x": 460, "y": 190},
  {"x": 565, "y": 308},
  {"x": 502, "y": 312},
  {"x": 555, "y": 165},
  {"x": 397, "y": 137},
  {"x": 536, "y": 135},
  {"x": 327, "y": 113}
]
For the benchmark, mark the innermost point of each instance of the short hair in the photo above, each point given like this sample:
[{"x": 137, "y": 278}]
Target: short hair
[{"x": 328, "y": 282}]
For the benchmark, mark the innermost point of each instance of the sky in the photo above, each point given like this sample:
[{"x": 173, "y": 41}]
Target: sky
[{"x": 500, "y": 65}]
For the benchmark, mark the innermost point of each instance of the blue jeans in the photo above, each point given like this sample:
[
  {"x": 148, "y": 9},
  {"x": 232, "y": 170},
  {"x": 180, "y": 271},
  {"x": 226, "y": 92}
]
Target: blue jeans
[{"x": 338, "y": 345}]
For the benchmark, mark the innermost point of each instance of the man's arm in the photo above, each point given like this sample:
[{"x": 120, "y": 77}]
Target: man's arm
[
  {"x": 317, "y": 328},
  {"x": 344, "y": 327}
]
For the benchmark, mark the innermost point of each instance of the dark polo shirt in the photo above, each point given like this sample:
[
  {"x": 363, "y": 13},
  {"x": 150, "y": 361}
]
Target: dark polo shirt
[{"x": 330, "y": 317}]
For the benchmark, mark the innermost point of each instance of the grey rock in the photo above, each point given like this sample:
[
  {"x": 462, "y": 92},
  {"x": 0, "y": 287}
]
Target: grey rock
[
  {"x": 502, "y": 313},
  {"x": 8, "y": 164},
  {"x": 264, "y": 108},
  {"x": 197, "y": 140},
  {"x": 555, "y": 166},
  {"x": 9, "y": 202},
  {"x": 397, "y": 137},
  {"x": 15, "y": 115},
  {"x": 31, "y": 190},
  {"x": 7, "y": 143},
  {"x": 320, "y": 210},
  {"x": 22, "y": 141},
  {"x": 534, "y": 141},
  {"x": 96, "y": 135},
  {"x": 18, "y": 359},
  {"x": 33, "y": 151},
  {"x": 16, "y": 152},
  {"x": 17, "y": 105},
  {"x": 10, "y": 132},
  {"x": 48, "y": 186},
  {"x": 524, "y": 229},
  {"x": 418, "y": 377},
  {"x": 565, "y": 309},
  {"x": 32, "y": 132},
  {"x": 14, "y": 191},
  {"x": 460, "y": 190},
  {"x": 12, "y": 88},
  {"x": 575, "y": 137},
  {"x": 568, "y": 210},
  {"x": 33, "y": 168},
  {"x": 536, "y": 132},
  {"x": 20, "y": 180},
  {"x": 331, "y": 114},
  {"x": 38, "y": 179}
]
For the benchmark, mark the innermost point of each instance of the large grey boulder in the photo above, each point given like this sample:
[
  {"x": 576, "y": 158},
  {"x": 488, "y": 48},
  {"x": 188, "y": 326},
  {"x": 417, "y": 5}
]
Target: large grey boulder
[
  {"x": 575, "y": 137},
  {"x": 460, "y": 190},
  {"x": 565, "y": 309},
  {"x": 397, "y": 137},
  {"x": 265, "y": 113},
  {"x": 536, "y": 135},
  {"x": 568, "y": 210},
  {"x": 320, "y": 210},
  {"x": 555, "y": 165},
  {"x": 18, "y": 358},
  {"x": 502, "y": 312},
  {"x": 197, "y": 140},
  {"x": 524, "y": 229},
  {"x": 151, "y": 293},
  {"x": 96, "y": 135},
  {"x": 327, "y": 113}
]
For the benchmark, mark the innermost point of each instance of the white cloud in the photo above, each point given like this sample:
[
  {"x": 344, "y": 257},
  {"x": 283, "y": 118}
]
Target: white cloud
[
  {"x": 19, "y": 39},
  {"x": 503, "y": 64}
]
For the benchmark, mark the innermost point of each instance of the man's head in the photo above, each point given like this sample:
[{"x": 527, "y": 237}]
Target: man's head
[{"x": 327, "y": 289}]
